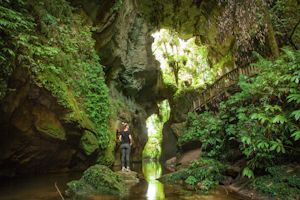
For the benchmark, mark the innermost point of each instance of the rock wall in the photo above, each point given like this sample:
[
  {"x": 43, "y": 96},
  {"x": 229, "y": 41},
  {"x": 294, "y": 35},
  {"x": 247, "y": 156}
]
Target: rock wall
[
  {"x": 192, "y": 18},
  {"x": 123, "y": 42},
  {"x": 189, "y": 18},
  {"x": 39, "y": 136}
]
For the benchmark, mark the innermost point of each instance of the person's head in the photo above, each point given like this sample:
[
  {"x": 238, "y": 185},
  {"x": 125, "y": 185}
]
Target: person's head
[{"x": 125, "y": 125}]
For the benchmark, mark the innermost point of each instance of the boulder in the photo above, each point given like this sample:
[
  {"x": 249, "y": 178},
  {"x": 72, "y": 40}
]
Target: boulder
[
  {"x": 178, "y": 128},
  {"x": 171, "y": 162},
  {"x": 188, "y": 156},
  {"x": 98, "y": 179}
]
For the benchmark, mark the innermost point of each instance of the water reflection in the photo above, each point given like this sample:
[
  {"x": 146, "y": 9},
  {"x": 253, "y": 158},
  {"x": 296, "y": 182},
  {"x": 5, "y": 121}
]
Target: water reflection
[
  {"x": 42, "y": 187},
  {"x": 152, "y": 171}
]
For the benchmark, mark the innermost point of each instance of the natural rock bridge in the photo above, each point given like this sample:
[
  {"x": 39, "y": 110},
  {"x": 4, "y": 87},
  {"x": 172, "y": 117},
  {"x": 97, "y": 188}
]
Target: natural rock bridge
[{"x": 222, "y": 88}]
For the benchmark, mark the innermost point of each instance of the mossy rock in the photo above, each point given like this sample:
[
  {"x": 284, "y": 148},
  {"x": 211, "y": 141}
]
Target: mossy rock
[
  {"x": 89, "y": 142},
  {"x": 98, "y": 179},
  {"x": 129, "y": 177},
  {"x": 212, "y": 170}
]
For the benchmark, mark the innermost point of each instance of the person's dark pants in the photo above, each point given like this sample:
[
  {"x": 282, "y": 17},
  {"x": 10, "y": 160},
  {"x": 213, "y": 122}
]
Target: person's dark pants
[{"x": 125, "y": 152}]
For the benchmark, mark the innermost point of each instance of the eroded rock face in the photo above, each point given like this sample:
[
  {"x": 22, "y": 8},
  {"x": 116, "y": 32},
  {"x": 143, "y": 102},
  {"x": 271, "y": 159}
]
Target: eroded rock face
[
  {"x": 124, "y": 46},
  {"x": 36, "y": 136},
  {"x": 191, "y": 18},
  {"x": 178, "y": 128},
  {"x": 123, "y": 42}
]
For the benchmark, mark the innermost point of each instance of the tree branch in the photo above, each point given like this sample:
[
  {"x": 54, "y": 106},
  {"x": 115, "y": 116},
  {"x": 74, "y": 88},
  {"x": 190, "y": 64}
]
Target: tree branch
[
  {"x": 290, "y": 38},
  {"x": 293, "y": 34},
  {"x": 59, "y": 191}
]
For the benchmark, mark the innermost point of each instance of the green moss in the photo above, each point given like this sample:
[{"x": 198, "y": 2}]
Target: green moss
[
  {"x": 184, "y": 97},
  {"x": 57, "y": 53},
  {"x": 56, "y": 132},
  {"x": 282, "y": 181},
  {"x": 208, "y": 172},
  {"x": 89, "y": 143},
  {"x": 100, "y": 179}
]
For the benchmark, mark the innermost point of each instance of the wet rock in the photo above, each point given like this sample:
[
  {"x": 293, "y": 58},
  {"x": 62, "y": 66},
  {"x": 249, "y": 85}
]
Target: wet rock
[
  {"x": 172, "y": 169},
  {"x": 178, "y": 128},
  {"x": 188, "y": 156},
  {"x": 233, "y": 171},
  {"x": 129, "y": 177},
  {"x": 226, "y": 181},
  {"x": 98, "y": 179},
  {"x": 183, "y": 167},
  {"x": 171, "y": 162}
]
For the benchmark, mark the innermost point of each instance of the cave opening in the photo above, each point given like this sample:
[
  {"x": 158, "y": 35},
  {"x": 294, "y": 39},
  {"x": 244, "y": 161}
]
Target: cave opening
[
  {"x": 152, "y": 149},
  {"x": 184, "y": 63}
]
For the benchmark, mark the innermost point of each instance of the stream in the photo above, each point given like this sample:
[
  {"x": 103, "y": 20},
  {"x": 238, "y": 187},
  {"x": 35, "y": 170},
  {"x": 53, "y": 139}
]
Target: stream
[{"x": 42, "y": 187}]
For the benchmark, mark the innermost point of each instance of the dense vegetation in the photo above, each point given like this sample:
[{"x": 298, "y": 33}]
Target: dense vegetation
[
  {"x": 205, "y": 173},
  {"x": 261, "y": 121},
  {"x": 47, "y": 41}
]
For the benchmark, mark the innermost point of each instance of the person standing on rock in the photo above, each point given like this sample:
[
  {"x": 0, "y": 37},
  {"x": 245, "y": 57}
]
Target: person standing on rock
[{"x": 126, "y": 140}]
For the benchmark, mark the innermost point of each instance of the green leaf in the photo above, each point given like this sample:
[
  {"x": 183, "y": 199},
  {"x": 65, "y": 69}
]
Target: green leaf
[
  {"x": 278, "y": 119},
  {"x": 244, "y": 138},
  {"x": 278, "y": 149},
  {"x": 11, "y": 52},
  {"x": 276, "y": 107},
  {"x": 248, "y": 172},
  {"x": 269, "y": 107},
  {"x": 296, "y": 113},
  {"x": 282, "y": 149},
  {"x": 289, "y": 142},
  {"x": 262, "y": 145},
  {"x": 273, "y": 147},
  {"x": 294, "y": 97},
  {"x": 248, "y": 140},
  {"x": 296, "y": 134},
  {"x": 254, "y": 116}
]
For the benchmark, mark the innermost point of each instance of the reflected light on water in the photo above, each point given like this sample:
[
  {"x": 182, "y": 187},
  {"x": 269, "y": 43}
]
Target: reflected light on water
[{"x": 152, "y": 171}]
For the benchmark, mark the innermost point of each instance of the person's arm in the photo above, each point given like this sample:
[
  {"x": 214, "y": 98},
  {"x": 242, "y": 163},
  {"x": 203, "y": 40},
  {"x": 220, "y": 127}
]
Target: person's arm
[
  {"x": 130, "y": 138},
  {"x": 120, "y": 138}
]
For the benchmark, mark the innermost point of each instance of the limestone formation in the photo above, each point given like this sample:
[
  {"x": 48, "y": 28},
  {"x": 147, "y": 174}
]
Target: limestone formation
[{"x": 38, "y": 135}]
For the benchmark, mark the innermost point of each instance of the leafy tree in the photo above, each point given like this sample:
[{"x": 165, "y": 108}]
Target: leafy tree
[
  {"x": 252, "y": 21},
  {"x": 262, "y": 120},
  {"x": 188, "y": 62}
]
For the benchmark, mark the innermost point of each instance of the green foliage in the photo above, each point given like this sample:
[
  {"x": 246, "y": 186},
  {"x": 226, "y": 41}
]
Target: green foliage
[
  {"x": 248, "y": 172},
  {"x": 286, "y": 21},
  {"x": 14, "y": 28},
  {"x": 263, "y": 117},
  {"x": 58, "y": 52},
  {"x": 208, "y": 173},
  {"x": 186, "y": 63},
  {"x": 194, "y": 164},
  {"x": 155, "y": 124},
  {"x": 116, "y": 7},
  {"x": 184, "y": 97},
  {"x": 191, "y": 180},
  {"x": 56, "y": 132},
  {"x": 283, "y": 181}
]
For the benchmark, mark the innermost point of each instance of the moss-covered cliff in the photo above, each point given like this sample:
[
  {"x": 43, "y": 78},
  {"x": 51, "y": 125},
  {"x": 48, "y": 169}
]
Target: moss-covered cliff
[{"x": 57, "y": 113}]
